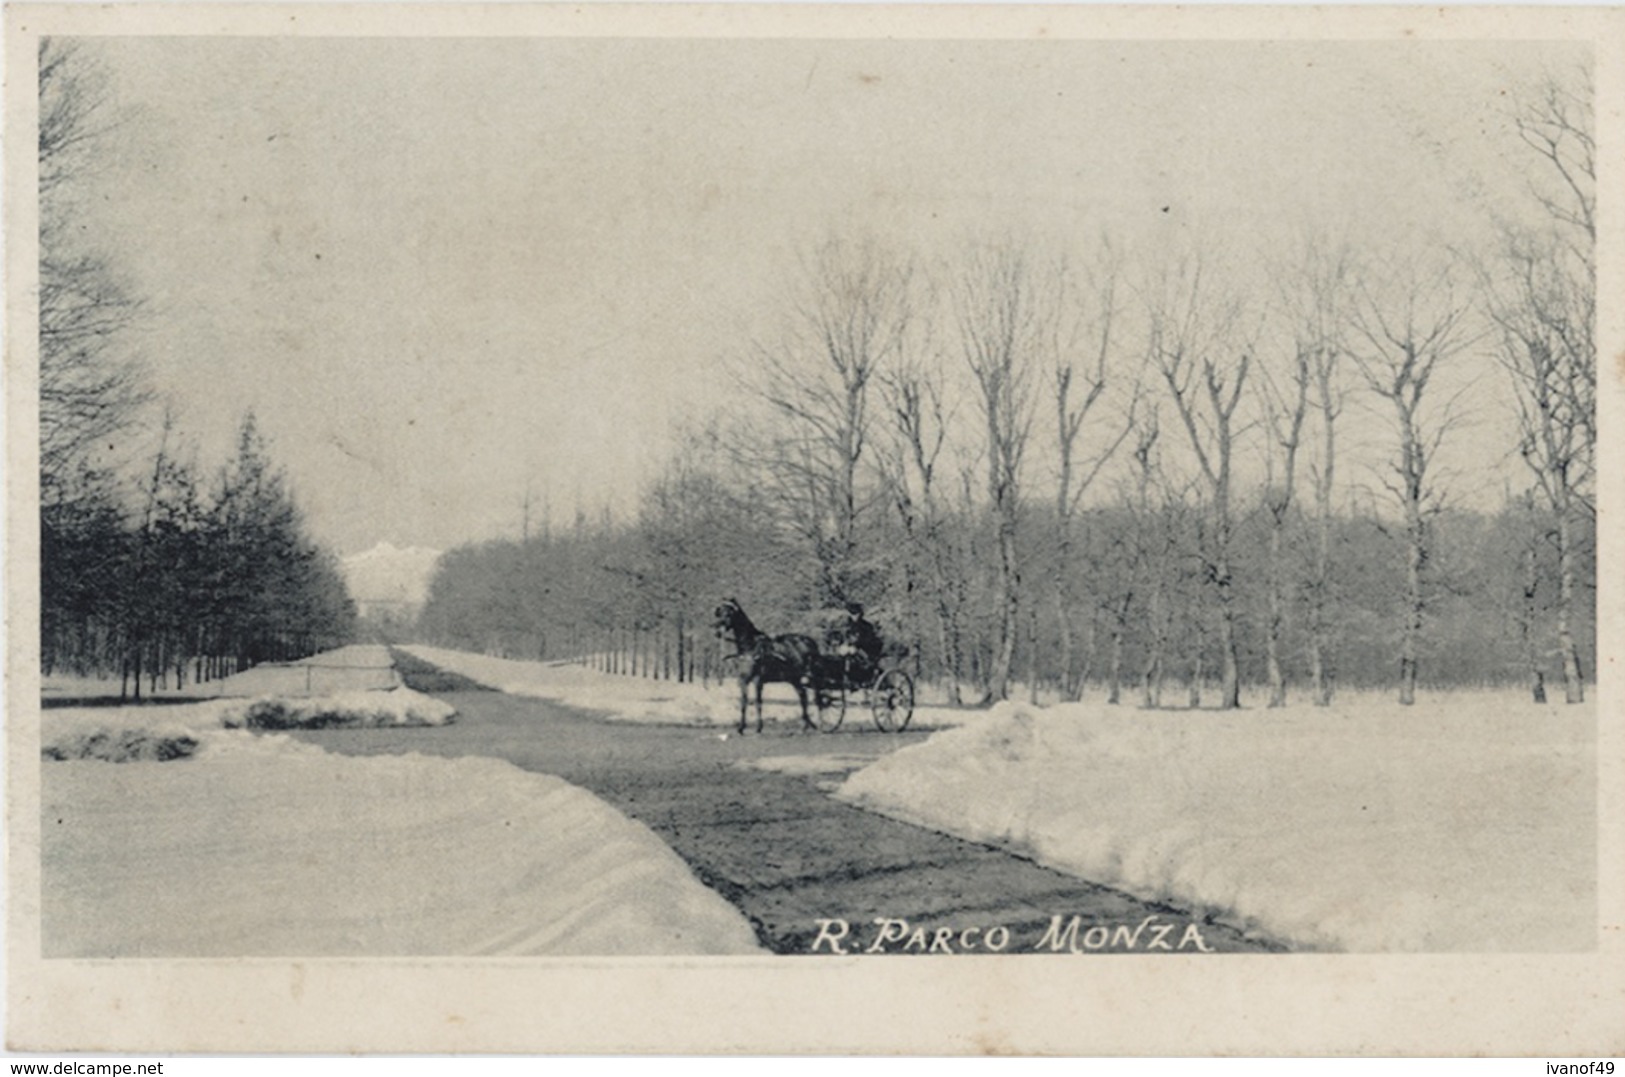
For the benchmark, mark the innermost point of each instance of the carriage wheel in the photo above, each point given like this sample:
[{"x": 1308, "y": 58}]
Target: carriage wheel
[
  {"x": 892, "y": 700},
  {"x": 831, "y": 709}
]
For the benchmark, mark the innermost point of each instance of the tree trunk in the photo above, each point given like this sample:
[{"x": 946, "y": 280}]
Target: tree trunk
[
  {"x": 1063, "y": 620},
  {"x": 1032, "y": 657},
  {"x": 1009, "y": 608},
  {"x": 1276, "y": 617},
  {"x": 684, "y": 674},
  {"x": 1156, "y": 645},
  {"x": 953, "y": 645},
  {"x": 1573, "y": 684},
  {"x": 1085, "y": 660},
  {"x": 1411, "y": 636},
  {"x": 1230, "y": 666},
  {"x": 1527, "y": 613},
  {"x": 1320, "y": 673},
  {"x": 1114, "y": 675}
]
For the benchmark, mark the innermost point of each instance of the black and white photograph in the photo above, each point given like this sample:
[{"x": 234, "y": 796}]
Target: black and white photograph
[{"x": 784, "y": 493}]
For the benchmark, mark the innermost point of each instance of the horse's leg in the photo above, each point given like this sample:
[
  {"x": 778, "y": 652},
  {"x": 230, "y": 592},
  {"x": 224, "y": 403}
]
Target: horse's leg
[
  {"x": 761, "y": 682},
  {"x": 744, "y": 703},
  {"x": 806, "y": 719}
]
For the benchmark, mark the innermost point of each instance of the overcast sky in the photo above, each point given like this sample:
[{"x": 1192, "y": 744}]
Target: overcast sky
[{"x": 441, "y": 269}]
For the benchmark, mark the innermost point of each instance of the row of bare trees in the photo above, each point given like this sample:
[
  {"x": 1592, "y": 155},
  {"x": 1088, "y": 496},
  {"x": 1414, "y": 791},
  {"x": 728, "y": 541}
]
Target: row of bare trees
[
  {"x": 1543, "y": 302},
  {"x": 637, "y": 596},
  {"x": 1049, "y": 469}
]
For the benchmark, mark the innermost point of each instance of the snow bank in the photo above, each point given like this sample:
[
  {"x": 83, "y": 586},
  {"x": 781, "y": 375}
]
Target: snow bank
[
  {"x": 396, "y": 707},
  {"x": 640, "y": 699},
  {"x": 161, "y": 732},
  {"x": 267, "y": 846},
  {"x": 151, "y": 732},
  {"x": 1464, "y": 824},
  {"x": 122, "y": 746}
]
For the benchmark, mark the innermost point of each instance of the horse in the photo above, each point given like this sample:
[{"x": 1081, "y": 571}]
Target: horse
[{"x": 788, "y": 659}]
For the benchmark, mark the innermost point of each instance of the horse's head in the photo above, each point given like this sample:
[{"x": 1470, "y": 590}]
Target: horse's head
[{"x": 728, "y": 617}]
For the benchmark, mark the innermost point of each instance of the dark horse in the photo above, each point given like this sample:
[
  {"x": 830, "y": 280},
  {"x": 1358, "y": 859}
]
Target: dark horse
[{"x": 763, "y": 658}]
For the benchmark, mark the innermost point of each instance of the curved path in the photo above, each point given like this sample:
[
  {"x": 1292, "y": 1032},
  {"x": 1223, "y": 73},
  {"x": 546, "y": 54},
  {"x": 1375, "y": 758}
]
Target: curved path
[{"x": 777, "y": 846}]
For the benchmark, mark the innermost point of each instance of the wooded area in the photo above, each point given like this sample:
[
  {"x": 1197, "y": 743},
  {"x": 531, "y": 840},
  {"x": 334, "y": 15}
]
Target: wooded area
[
  {"x": 1059, "y": 467},
  {"x": 150, "y": 568},
  {"x": 638, "y": 598}
]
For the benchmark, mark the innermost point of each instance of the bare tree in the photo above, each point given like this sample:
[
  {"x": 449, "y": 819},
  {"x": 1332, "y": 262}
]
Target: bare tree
[
  {"x": 73, "y": 112},
  {"x": 1409, "y": 326},
  {"x": 1329, "y": 397},
  {"x": 1556, "y": 122},
  {"x": 920, "y": 418},
  {"x": 1552, "y": 363},
  {"x": 1153, "y": 545},
  {"x": 90, "y": 388},
  {"x": 1002, "y": 309},
  {"x": 1285, "y": 406},
  {"x": 1314, "y": 297},
  {"x": 1160, "y": 540},
  {"x": 1543, "y": 300},
  {"x": 1082, "y": 362},
  {"x": 1199, "y": 344},
  {"x": 1531, "y": 532},
  {"x": 91, "y": 391},
  {"x": 848, "y": 323}
]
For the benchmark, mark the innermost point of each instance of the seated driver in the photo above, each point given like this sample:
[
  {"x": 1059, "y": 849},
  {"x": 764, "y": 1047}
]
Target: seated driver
[{"x": 858, "y": 638}]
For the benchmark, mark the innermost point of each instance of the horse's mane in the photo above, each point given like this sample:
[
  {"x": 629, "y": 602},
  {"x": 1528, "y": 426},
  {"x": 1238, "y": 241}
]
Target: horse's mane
[
  {"x": 751, "y": 640},
  {"x": 731, "y": 616}
]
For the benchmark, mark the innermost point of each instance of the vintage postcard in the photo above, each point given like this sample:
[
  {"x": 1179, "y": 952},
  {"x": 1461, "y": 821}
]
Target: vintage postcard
[{"x": 813, "y": 529}]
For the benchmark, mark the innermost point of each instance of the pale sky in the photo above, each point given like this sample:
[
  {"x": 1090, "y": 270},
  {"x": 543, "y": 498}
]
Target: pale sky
[{"x": 443, "y": 269}]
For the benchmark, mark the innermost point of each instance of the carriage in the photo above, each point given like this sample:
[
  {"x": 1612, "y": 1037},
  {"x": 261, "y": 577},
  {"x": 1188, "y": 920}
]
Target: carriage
[
  {"x": 884, "y": 688},
  {"x": 850, "y": 664}
]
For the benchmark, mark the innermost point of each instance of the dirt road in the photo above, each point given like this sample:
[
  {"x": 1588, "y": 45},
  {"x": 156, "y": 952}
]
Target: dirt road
[{"x": 811, "y": 874}]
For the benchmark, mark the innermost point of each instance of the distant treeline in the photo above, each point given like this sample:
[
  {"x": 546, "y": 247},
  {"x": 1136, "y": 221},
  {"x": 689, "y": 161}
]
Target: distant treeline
[
  {"x": 639, "y": 597},
  {"x": 178, "y": 578}
]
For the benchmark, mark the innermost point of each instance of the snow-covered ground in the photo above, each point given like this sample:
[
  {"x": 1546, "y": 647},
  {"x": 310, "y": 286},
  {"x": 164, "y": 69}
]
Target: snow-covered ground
[
  {"x": 1465, "y": 823},
  {"x": 640, "y": 699},
  {"x": 171, "y": 831},
  {"x": 261, "y": 845},
  {"x": 357, "y": 667}
]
